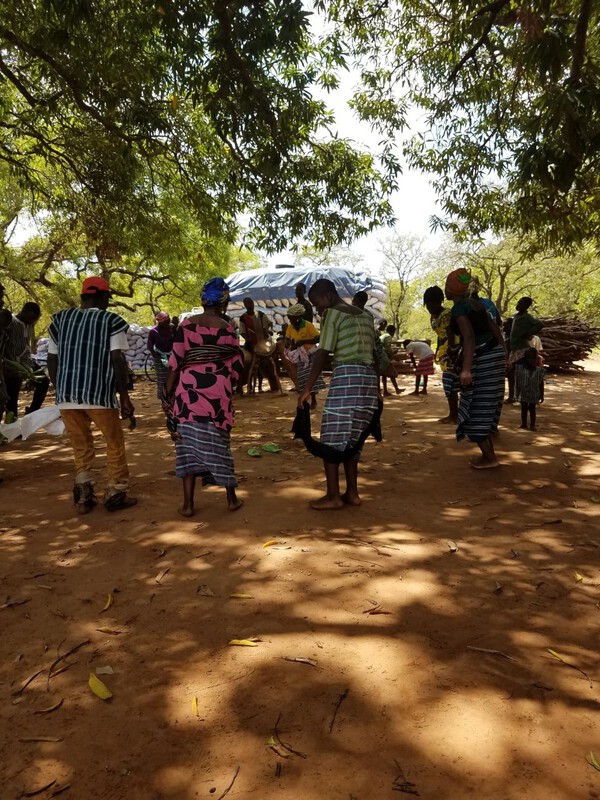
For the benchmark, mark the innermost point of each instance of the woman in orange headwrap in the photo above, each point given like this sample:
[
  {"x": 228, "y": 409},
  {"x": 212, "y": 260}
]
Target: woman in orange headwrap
[{"x": 482, "y": 369}]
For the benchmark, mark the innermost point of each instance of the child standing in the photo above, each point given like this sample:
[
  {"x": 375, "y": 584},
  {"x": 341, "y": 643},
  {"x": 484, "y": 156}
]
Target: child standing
[
  {"x": 424, "y": 368},
  {"x": 529, "y": 380}
]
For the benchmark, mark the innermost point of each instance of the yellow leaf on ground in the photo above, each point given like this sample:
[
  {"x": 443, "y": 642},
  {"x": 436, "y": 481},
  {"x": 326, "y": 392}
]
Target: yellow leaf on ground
[
  {"x": 109, "y": 602},
  {"x": 99, "y": 688},
  {"x": 271, "y": 542},
  {"x": 243, "y": 643},
  {"x": 578, "y": 577},
  {"x": 556, "y": 655},
  {"x": 195, "y": 707},
  {"x": 241, "y": 596}
]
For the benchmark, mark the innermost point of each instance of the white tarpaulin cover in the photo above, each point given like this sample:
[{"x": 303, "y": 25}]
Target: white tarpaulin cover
[{"x": 274, "y": 283}]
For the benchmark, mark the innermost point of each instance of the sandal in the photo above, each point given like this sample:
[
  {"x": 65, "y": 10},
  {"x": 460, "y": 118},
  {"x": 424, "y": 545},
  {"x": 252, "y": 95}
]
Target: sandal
[{"x": 119, "y": 501}]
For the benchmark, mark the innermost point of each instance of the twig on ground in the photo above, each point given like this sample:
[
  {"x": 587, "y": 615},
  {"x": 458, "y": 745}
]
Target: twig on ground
[
  {"x": 28, "y": 681},
  {"x": 340, "y": 700},
  {"x": 228, "y": 789},
  {"x": 400, "y": 784},
  {"x": 490, "y": 652},
  {"x": 61, "y": 658},
  {"x": 285, "y": 746}
]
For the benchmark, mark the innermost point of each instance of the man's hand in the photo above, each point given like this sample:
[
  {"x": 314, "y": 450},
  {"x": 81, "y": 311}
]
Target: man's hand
[
  {"x": 127, "y": 409},
  {"x": 466, "y": 378},
  {"x": 304, "y": 398}
]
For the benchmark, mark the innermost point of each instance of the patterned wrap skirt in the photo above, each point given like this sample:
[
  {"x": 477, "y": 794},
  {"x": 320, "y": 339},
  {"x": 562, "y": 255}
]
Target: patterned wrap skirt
[
  {"x": 450, "y": 382},
  {"x": 425, "y": 366},
  {"x": 162, "y": 371},
  {"x": 480, "y": 404},
  {"x": 204, "y": 451},
  {"x": 303, "y": 371},
  {"x": 352, "y": 400}
]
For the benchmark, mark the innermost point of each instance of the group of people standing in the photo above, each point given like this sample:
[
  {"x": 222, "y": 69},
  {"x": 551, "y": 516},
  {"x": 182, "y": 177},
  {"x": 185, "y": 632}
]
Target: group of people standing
[
  {"x": 201, "y": 364},
  {"x": 475, "y": 358}
]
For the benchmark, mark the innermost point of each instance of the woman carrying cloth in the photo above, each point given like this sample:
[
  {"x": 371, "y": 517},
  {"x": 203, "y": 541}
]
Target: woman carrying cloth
[
  {"x": 353, "y": 400},
  {"x": 482, "y": 369},
  {"x": 301, "y": 339},
  {"x": 204, "y": 366}
]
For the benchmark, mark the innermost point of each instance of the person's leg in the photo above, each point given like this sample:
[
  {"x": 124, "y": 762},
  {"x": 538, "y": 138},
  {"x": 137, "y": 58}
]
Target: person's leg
[
  {"x": 385, "y": 389},
  {"x": 533, "y": 415},
  {"x": 425, "y": 379},
  {"x": 109, "y": 423},
  {"x": 449, "y": 383},
  {"x": 189, "y": 485},
  {"x": 510, "y": 377},
  {"x": 332, "y": 498},
  {"x": 232, "y": 500},
  {"x": 417, "y": 384},
  {"x": 523, "y": 416},
  {"x": 395, "y": 385},
  {"x": 39, "y": 395},
  {"x": 488, "y": 456},
  {"x": 78, "y": 426},
  {"x": 351, "y": 496},
  {"x": 13, "y": 388},
  {"x": 313, "y": 400}
]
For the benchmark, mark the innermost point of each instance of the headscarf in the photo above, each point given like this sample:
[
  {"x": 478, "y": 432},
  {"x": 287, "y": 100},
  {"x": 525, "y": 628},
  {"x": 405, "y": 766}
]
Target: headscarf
[
  {"x": 458, "y": 282},
  {"x": 162, "y": 316},
  {"x": 296, "y": 311},
  {"x": 215, "y": 292}
]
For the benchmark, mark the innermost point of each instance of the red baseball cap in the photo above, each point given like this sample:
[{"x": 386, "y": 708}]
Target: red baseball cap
[{"x": 95, "y": 285}]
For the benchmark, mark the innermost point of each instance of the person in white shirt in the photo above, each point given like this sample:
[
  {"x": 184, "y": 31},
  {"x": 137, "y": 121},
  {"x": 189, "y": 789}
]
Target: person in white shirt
[{"x": 422, "y": 357}]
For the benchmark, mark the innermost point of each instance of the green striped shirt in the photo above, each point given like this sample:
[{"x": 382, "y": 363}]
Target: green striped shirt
[{"x": 350, "y": 337}]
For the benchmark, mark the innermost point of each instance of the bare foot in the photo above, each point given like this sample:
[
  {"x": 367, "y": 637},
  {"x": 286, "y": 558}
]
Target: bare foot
[
  {"x": 423, "y": 391},
  {"x": 327, "y": 503},
  {"x": 387, "y": 394},
  {"x": 236, "y": 505},
  {"x": 399, "y": 391},
  {"x": 523, "y": 427},
  {"x": 448, "y": 420},
  {"x": 186, "y": 511},
  {"x": 483, "y": 463},
  {"x": 413, "y": 394},
  {"x": 351, "y": 499}
]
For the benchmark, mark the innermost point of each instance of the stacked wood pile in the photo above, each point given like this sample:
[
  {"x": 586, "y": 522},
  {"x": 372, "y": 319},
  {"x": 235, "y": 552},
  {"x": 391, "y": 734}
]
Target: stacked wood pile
[{"x": 566, "y": 340}]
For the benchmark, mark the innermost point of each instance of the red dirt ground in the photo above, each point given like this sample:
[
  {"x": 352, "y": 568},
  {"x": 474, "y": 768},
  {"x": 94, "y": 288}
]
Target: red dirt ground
[{"x": 505, "y": 561}]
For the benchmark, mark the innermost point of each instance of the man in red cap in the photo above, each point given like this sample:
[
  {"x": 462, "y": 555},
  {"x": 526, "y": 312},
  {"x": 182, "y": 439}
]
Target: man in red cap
[{"x": 87, "y": 366}]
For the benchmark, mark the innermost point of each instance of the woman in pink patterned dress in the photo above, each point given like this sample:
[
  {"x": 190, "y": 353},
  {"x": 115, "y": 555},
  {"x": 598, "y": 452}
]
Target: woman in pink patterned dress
[{"x": 204, "y": 367}]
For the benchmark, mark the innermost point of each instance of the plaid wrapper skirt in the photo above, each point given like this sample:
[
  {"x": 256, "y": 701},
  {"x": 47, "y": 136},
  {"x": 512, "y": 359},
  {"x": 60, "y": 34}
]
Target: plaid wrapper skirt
[
  {"x": 162, "y": 372},
  {"x": 425, "y": 366},
  {"x": 480, "y": 405},
  {"x": 303, "y": 373},
  {"x": 352, "y": 400},
  {"x": 204, "y": 451}
]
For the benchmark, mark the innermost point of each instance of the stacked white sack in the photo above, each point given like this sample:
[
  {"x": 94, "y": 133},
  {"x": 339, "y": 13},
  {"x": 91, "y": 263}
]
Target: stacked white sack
[{"x": 137, "y": 336}]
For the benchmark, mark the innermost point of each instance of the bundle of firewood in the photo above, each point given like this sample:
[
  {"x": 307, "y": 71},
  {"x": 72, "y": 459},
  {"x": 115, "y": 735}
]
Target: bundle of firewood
[{"x": 566, "y": 340}]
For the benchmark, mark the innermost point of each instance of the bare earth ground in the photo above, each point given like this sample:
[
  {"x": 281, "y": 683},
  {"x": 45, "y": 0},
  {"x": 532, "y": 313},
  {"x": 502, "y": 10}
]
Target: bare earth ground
[{"x": 505, "y": 561}]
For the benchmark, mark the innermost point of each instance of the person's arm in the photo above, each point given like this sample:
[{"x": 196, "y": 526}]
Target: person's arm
[
  {"x": 495, "y": 329},
  {"x": 468, "y": 340},
  {"x": 150, "y": 344},
  {"x": 318, "y": 365},
  {"x": 119, "y": 365},
  {"x": 52, "y": 365},
  {"x": 175, "y": 359}
]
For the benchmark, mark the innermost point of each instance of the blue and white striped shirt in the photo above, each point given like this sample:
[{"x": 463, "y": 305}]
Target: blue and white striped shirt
[{"x": 85, "y": 373}]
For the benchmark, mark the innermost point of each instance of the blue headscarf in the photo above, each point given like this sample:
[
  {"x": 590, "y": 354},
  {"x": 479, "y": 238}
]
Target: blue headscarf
[{"x": 215, "y": 292}]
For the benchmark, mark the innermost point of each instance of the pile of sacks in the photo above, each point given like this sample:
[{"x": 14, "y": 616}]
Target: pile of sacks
[{"x": 137, "y": 336}]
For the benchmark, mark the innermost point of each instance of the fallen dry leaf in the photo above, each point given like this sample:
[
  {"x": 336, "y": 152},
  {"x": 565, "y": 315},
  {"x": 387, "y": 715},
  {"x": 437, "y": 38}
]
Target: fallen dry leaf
[
  {"x": 40, "y": 739},
  {"x": 33, "y": 792},
  {"x": 108, "y": 604},
  {"x": 241, "y": 596},
  {"x": 105, "y": 670},
  {"x": 253, "y": 642},
  {"x": 110, "y": 631},
  {"x": 162, "y": 574},
  {"x": 310, "y": 661},
  {"x": 98, "y": 688},
  {"x": 205, "y": 591},
  {"x": 195, "y": 707},
  {"x": 50, "y": 708}
]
